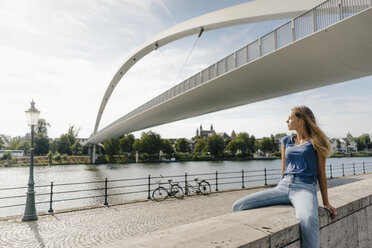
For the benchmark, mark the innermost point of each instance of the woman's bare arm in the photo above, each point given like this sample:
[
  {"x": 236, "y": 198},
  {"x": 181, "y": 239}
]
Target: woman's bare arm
[
  {"x": 323, "y": 186},
  {"x": 283, "y": 160}
]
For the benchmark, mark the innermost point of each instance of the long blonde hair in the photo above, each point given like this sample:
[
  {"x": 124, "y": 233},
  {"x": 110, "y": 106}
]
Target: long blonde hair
[{"x": 317, "y": 137}]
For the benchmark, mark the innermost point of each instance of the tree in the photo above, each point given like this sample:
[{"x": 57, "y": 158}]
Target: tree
[
  {"x": 215, "y": 145},
  {"x": 201, "y": 146},
  {"x": 235, "y": 145},
  {"x": 267, "y": 145},
  {"x": 64, "y": 145},
  {"x": 42, "y": 127},
  {"x": 24, "y": 146},
  {"x": 126, "y": 143},
  {"x": 151, "y": 142},
  {"x": 137, "y": 145},
  {"x": 182, "y": 145},
  {"x": 41, "y": 144},
  {"x": 53, "y": 146},
  {"x": 72, "y": 134},
  {"x": 13, "y": 145},
  {"x": 166, "y": 146},
  {"x": 338, "y": 144},
  {"x": 227, "y": 141},
  {"x": 77, "y": 148},
  {"x": 1, "y": 143},
  {"x": 362, "y": 142},
  {"x": 112, "y": 147},
  {"x": 248, "y": 142}
]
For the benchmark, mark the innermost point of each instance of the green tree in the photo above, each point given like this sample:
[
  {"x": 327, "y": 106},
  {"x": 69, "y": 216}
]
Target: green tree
[
  {"x": 235, "y": 145},
  {"x": 201, "y": 146},
  {"x": 248, "y": 142},
  {"x": 338, "y": 144},
  {"x": 72, "y": 134},
  {"x": 215, "y": 145},
  {"x": 267, "y": 145},
  {"x": 137, "y": 145},
  {"x": 182, "y": 145},
  {"x": 64, "y": 145},
  {"x": 42, "y": 127},
  {"x": 167, "y": 146},
  {"x": 2, "y": 143},
  {"x": 227, "y": 141},
  {"x": 53, "y": 146},
  {"x": 50, "y": 157},
  {"x": 77, "y": 148},
  {"x": 126, "y": 143},
  {"x": 25, "y": 146},
  {"x": 6, "y": 156},
  {"x": 41, "y": 146},
  {"x": 112, "y": 147},
  {"x": 13, "y": 144},
  {"x": 151, "y": 142}
]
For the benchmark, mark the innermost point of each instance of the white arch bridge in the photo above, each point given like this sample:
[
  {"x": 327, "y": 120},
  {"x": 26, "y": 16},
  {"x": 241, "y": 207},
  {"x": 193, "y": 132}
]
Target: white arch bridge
[{"x": 326, "y": 44}]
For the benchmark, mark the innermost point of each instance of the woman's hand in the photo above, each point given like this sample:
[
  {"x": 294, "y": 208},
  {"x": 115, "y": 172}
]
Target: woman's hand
[{"x": 331, "y": 210}]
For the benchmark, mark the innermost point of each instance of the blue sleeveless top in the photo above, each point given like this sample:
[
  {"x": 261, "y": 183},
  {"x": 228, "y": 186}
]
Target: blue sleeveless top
[{"x": 301, "y": 160}]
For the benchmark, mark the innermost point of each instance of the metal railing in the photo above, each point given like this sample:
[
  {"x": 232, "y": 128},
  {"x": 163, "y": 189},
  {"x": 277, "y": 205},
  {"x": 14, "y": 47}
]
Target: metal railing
[
  {"x": 316, "y": 19},
  {"x": 118, "y": 190}
]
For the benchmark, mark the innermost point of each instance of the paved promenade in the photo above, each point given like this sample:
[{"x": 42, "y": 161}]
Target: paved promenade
[{"x": 102, "y": 226}]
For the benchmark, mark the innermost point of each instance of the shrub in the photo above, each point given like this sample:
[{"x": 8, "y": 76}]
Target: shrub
[
  {"x": 57, "y": 157},
  {"x": 101, "y": 160},
  {"x": 50, "y": 157},
  {"x": 7, "y": 156},
  {"x": 64, "y": 157}
]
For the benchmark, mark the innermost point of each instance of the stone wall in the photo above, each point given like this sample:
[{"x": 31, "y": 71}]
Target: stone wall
[{"x": 274, "y": 226}]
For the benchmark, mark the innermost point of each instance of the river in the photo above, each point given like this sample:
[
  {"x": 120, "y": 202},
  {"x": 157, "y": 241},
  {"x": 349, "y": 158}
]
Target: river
[{"x": 18, "y": 177}]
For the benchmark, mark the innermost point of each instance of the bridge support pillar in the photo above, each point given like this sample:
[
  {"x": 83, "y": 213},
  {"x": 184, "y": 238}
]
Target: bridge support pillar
[{"x": 92, "y": 153}]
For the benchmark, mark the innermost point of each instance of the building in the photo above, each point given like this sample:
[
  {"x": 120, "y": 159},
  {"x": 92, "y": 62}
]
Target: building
[
  {"x": 343, "y": 145},
  {"x": 205, "y": 133}
]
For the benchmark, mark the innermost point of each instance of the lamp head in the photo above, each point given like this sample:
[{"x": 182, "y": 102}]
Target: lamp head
[{"x": 32, "y": 115}]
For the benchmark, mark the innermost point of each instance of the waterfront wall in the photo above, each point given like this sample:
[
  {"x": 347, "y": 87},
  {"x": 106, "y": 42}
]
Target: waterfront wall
[{"x": 275, "y": 226}]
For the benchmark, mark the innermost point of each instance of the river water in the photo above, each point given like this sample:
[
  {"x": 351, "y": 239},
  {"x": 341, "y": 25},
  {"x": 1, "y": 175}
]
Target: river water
[{"x": 91, "y": 177}]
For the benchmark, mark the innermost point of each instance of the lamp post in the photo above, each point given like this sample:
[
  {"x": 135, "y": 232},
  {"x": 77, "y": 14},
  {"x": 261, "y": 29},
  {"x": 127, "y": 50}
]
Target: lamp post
[{"x": 32, "y": 116}]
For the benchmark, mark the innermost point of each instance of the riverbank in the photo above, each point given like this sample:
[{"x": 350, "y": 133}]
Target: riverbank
[
  {"x": 44, "y": 161},
  {"x": 146, "y": 158}
]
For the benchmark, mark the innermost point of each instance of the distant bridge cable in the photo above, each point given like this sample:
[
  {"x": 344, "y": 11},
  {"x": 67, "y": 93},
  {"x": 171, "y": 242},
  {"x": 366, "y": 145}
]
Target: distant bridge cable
[{"x": 188, "y": 56}]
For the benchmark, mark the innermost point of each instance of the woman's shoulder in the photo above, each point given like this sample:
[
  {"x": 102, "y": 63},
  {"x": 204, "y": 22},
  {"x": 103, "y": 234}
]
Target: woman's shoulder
[{"x": 285, "y": 140}]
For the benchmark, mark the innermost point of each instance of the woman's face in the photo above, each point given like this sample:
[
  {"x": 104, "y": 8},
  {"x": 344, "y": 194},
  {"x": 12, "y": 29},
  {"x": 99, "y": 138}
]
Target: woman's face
[{"x": 293, "y": 122}]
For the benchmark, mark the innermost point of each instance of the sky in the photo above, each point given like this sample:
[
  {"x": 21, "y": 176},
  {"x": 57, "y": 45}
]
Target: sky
[{"x": 64, "y": 53}]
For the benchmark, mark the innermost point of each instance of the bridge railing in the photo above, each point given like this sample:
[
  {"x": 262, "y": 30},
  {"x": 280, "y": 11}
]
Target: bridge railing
[
  {"x": 112, "y": 191},
  {"x": 316, "y": 19}
]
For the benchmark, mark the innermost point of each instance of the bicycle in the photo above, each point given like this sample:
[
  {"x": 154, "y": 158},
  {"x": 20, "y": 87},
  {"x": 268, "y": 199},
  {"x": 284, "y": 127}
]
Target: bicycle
[
  {"x": 202, "y": 187},
  {"x": 161, "y": 193}
]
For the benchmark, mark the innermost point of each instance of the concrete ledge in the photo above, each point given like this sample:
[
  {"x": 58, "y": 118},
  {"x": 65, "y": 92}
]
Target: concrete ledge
[{"x": 273, "y": 226}]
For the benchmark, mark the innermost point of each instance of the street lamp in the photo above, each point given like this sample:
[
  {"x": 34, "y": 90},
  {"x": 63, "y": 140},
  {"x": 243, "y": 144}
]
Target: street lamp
[{"x": 32, "y": 115}]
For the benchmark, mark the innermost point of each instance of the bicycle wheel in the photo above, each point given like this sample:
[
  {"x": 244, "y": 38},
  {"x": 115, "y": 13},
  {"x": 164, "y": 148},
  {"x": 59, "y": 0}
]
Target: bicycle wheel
[
  {"x": 177, "y": 191},
  {"x": 160, "y": 194},
  {"x": 204, "y": 188}
]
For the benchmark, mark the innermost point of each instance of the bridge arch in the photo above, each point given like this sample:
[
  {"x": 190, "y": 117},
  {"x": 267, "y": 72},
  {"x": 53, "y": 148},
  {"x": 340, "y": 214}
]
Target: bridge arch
[{"x": 255, "y": 11}]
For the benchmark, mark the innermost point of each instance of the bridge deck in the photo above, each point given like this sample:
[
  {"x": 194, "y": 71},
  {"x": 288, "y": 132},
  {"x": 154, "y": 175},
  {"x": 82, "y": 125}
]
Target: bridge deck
[{"x": 337, "y": 53}]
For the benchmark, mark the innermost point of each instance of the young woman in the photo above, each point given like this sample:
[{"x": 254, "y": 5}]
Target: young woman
[{"x": 303, "y": 164}]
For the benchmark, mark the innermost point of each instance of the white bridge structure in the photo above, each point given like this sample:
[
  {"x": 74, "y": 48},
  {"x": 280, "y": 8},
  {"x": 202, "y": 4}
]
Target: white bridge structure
[{"x": 327, "y": 43}]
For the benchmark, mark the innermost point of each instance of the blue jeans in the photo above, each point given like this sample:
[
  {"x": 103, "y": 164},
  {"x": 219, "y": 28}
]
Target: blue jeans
[{"x": 290, "y": 190}]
